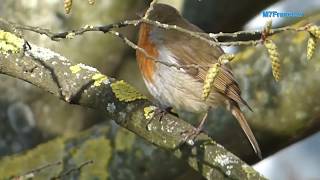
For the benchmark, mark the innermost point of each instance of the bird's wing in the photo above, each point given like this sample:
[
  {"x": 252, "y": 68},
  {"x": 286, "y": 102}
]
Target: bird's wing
[{"x": 188, "y": 50}]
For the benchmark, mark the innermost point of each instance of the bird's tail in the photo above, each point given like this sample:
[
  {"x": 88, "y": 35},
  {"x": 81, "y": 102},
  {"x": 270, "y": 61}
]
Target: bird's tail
[{"x": 237, "y": 113}]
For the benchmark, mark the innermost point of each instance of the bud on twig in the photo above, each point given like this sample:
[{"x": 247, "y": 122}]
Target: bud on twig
[
  {"x": 314, "y": 30},
  {"x": 268, "y": 27},
  {"x": 225, "y": 58}
]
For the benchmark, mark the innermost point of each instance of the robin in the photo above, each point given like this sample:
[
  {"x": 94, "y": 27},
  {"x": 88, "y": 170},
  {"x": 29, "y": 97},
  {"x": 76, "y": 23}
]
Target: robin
[{"x": 181, "y": 88}]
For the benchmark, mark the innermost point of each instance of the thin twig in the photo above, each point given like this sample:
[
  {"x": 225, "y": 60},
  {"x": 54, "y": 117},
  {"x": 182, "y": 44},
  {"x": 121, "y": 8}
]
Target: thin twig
[
  {"x": 33, "y": 172},
  {"x": 180, "y": 29},
  {"x": 76, "y": 169},
  {"x": 145, "y": 53},
  {"x": 146, "y": 15},
  {"x": 212, "y": 39},
  {"x": 252, "y": 33},
  {"x": 87, "y": 28}
]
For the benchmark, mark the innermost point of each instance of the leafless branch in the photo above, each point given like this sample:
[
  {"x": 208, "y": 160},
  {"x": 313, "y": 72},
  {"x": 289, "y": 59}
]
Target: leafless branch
[
  {"x": 211, "y": 39},
  {"x": 32, "y": 173},
  {"x": 76, "y": 169}
]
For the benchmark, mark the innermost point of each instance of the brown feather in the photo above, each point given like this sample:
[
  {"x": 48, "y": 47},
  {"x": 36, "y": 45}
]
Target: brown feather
[
  {"x": 199, "y": 53},
  {"x": 236, "y": 112}
]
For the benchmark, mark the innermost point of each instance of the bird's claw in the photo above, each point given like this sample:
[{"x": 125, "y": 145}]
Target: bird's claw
[
  {"x": 158, "y": 114},
  {"x": 191, "y": 135}
]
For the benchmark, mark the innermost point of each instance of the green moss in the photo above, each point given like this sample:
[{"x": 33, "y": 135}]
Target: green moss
[
  {"x": 98, "y": 79},
  {"x": 149, "y": 112},
  {"x": 125, "y": 92},
  {"x": 124, "y": 140},
  {"x": 42, "y": 155},
  {"x": 73, "y": 150},
  {"x": 250, "y": 172},
  {"x": 10, "y": 43},
  {"x": 99, "y": 150},
  {"x": 75, "y": 69}
]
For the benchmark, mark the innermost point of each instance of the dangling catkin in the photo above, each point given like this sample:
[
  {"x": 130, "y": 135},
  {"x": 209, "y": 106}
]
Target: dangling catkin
[
  {"x": 209, "y": 81},
  {"x": 274, "y": 56},
  {"x": 91, "y": 2},
  {"x": 311, "y": 46},
  {"x": 67, "y": 6},
  {"x": 314, "y": 30}
]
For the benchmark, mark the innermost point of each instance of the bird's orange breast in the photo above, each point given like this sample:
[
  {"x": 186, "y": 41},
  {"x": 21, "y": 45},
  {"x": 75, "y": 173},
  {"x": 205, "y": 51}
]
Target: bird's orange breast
[{"x": 146, "y": 65}]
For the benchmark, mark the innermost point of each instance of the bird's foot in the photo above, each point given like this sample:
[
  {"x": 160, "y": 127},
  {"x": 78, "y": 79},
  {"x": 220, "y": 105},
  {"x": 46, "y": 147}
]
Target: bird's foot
[
  {"x": 159, "y": 114},
  {"x": 190, "y": 135}
]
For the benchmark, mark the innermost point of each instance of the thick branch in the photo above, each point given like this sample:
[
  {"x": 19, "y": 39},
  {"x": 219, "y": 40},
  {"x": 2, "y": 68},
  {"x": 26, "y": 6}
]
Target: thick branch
[{"x": 85, "y": 86}]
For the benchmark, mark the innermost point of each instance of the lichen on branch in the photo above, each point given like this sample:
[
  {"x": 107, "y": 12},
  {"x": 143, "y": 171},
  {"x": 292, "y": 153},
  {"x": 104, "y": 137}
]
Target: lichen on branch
[{"x": 10, "y": 43}]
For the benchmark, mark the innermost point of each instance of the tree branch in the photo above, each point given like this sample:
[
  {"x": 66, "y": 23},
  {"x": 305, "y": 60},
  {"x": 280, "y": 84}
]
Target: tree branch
[{"x": 83, "y": 85}]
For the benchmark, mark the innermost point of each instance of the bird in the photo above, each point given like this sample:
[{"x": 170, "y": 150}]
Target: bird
[{"x": 164, "y": 62}]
